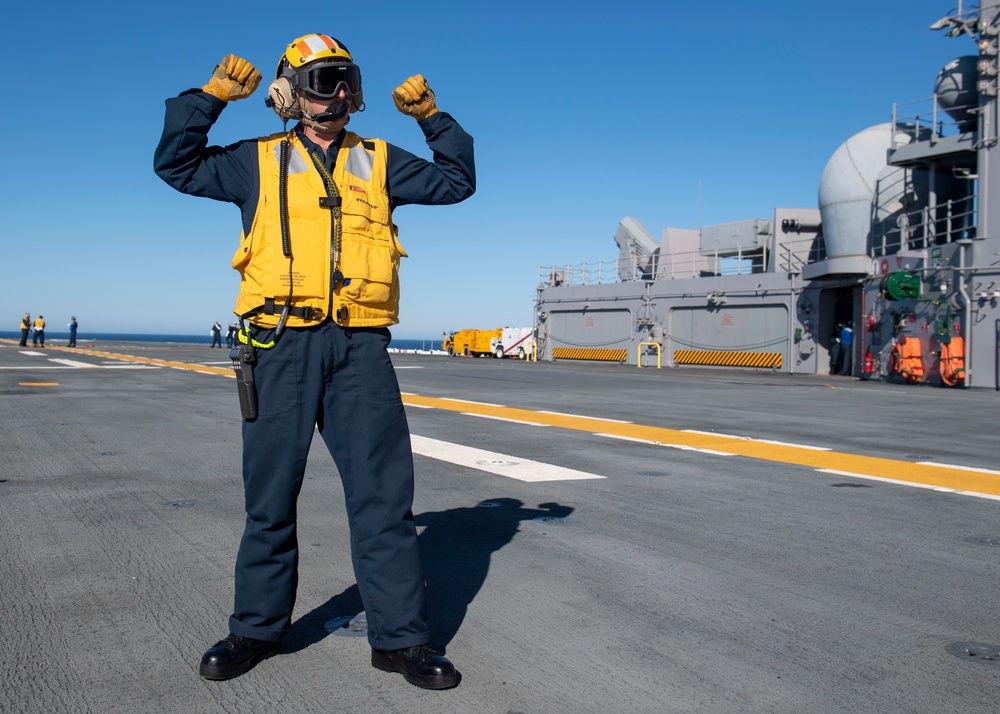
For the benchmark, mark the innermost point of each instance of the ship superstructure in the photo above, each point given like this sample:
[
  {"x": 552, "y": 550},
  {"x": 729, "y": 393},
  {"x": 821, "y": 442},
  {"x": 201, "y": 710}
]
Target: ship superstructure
[{"x": 903, "y": 249}]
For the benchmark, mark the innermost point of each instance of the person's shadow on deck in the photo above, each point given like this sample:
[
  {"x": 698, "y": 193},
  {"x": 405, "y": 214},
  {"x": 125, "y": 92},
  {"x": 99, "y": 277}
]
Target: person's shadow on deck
[{"x": 456, "y": 546}]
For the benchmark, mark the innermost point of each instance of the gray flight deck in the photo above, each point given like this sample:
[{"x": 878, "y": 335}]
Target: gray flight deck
[{"x": 682, "y": 581}]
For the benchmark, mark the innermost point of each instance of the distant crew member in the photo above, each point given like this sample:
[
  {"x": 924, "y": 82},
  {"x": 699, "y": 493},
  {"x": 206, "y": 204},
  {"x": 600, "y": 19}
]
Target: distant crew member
[
  {"x": 39, "y": 336},
  {"x": 320, "y": 257},
  {"x": 25, "y": 329},
  {"x": 835, "y": 349},
  {"x": 231, "y": 334},
  {"x": 72, "y": 332},
  {"x": 847, "y": 348},
  {"x": 216, "y": 333}
]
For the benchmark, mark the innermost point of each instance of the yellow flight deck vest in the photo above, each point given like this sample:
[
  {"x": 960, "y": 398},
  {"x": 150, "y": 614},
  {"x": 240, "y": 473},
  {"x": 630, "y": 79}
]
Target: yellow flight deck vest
[
  {"x": 39, "y": 324},
  {"x": 368, "y": 254}
]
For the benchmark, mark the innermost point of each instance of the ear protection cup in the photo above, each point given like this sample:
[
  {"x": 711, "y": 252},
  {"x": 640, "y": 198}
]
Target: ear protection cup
[{"x": 281, "y": 98}]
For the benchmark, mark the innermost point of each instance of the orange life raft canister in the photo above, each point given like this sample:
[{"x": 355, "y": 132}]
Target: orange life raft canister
[
  {"x": 953, "y": 361},
  {"x": 907, "y": 361}
]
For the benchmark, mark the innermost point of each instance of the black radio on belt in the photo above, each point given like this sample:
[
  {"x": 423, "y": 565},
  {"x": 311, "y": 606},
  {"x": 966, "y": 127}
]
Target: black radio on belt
[{"x": 243, "y": 357}]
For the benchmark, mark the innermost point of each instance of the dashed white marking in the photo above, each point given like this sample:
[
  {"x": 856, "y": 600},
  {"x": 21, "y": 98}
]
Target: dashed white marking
[
  {"x": 74, "y": 363},
  {"x": 495, "y": 463},
  {"x": 897, "y": 482},
  {"x": 41, "y": 366},
  {"x": 497, "y": 418},
  {"x": 759, "y": 441},
  {"x": 407, "y": 366},
  {"x": 78, "y": 366},
  {"x": 955, "y": 466},
  {"x": 682, "y": 447},
  {"x": 466, "y": 401},
  {"x": 32, "y": 354},
  {"x": 581, "y": 416}
]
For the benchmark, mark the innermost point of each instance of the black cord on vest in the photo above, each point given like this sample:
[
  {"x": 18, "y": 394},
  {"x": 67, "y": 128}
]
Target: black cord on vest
[{"x": 286, "y": 242}]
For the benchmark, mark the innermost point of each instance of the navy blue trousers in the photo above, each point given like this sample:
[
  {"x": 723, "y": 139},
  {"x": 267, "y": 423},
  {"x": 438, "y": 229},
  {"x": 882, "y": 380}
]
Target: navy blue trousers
[{"x": 342, "y": 382}]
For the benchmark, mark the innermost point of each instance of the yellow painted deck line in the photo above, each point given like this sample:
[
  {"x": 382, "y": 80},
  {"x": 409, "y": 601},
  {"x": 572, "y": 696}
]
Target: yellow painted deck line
[
  {"x": 946, "y": 477},
  {"x": 954, "y": 478},
  {"x": 159, "y": 362}
]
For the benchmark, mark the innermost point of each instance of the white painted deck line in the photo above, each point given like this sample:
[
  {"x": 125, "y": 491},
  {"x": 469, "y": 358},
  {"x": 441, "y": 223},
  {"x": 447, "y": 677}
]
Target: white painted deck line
[
  {"x": 495, "y": 463},
  {"x": 581, "y": 416},
  {"x": 467, "y": 401},
  {"x": 512, "y": 421},
  {"x": 956, "y": 466},
  {"x": 682, "y": 447},
  {"x": 760, "y": 441},
  {"x": 897, "y": 482},
  {"x": 74, "y": 363}
]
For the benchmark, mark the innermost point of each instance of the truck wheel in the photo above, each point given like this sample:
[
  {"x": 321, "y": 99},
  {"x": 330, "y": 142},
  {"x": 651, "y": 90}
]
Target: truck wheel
[
  {"x": 499, "y": 353},
  {"x": 520, "y": 353},
  {"x": 451, "y": 350},
  {"x": 466, "y": 351}
]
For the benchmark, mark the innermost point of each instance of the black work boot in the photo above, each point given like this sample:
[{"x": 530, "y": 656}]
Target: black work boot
[
  {"x": 420, "y": 666},
  {"x": 235, "y": 655}
]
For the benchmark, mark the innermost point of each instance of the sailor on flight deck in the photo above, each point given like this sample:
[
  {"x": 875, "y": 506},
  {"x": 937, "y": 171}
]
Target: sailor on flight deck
[{"x": 318, "y": 259}]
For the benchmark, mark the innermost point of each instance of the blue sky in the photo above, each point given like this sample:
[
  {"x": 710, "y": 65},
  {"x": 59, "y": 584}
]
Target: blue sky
[{"x": 582, "y": 112}]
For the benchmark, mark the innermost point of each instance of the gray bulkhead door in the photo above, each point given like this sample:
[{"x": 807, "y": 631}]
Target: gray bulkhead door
[
  {"x": 590, "y": 329},
  {"x": 739, "y": 328}
]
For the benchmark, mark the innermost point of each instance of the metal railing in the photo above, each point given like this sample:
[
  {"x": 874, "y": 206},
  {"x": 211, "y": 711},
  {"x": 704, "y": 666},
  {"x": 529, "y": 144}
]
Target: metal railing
[
  {"x": 925, "y": 120},
  {"x": 921, "y": 228},
  {"x": 949, "y": 222},
  {"x": 792, "y": 255},
  {"x": 603, "y": 271},
  {"x": 692, "y": 264}
]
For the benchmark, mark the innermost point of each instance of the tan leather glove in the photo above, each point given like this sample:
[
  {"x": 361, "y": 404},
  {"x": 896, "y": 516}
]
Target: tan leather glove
[
  {"x": 234, "y": 78},
  {"x": 414, "y": 98}
]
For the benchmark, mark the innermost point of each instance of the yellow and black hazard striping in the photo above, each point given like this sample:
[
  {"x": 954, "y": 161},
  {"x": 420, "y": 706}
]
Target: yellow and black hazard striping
[
  {"x": 588, "y": 353},
  {"x": 728, "y": 359}
]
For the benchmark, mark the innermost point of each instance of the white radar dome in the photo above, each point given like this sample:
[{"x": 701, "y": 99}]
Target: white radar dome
[{"x": 848, "y": 185}]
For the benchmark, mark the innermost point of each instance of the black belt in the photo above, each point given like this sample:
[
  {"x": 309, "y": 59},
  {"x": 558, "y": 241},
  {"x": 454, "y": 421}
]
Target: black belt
[{"x": 270, "y": 308}]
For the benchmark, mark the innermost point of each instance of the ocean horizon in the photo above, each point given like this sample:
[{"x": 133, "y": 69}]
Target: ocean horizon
[{"x": 91, "y": 337}]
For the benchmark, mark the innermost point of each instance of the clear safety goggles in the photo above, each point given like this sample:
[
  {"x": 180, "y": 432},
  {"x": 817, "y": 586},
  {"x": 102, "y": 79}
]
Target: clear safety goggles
[{"x": 324, "y": 81}]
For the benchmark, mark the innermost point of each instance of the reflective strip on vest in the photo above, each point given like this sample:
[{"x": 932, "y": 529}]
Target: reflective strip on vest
[
  {"x": 296, "y": 164},
  {"x": 359, "y": 162}
]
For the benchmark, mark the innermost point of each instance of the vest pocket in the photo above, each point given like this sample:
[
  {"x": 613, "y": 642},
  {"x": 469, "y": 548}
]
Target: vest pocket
[
  {"x": 370, "y": 265},
  {"x": 359, "y": 211},
  {"x": 242, "y": 255},
  {"x": 251, "y": 268}
]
